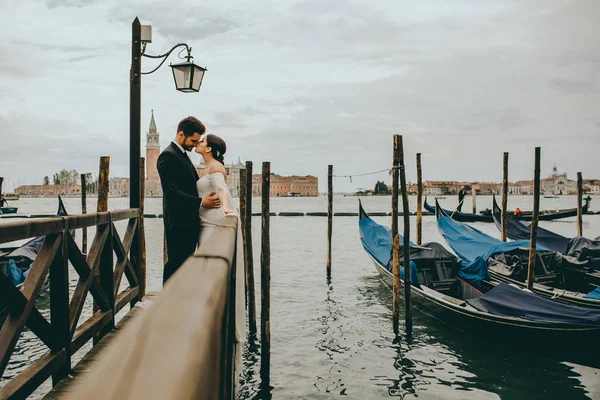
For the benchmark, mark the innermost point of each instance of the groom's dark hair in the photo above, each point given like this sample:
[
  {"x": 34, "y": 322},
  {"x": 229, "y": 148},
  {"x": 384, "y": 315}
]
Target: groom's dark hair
[{"x": 191, "y": 125}]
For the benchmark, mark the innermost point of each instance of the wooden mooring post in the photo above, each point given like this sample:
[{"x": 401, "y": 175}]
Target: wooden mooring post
[
  {"x": 579, "y": 204},
  {"x": 406, "y": 244},
  {"x": 248, "y": 257},
  {"x": 84, "y": 211},
  {"x": 395, "y": 238},
  {"x": 103, "y": 186},
  {"x": 504, "y": 194},
  {"x": 265, "y": 283},
  {"x": 474, "y": 195},
  {"x": 1, "y": 182},
  {"x": 419, "y": 201},
  {"x": 534, "y": 218},
  {"x": 329, "y": 217},
  {"x": 243, "y": 228},
  {"x": 105, "y": 272}
]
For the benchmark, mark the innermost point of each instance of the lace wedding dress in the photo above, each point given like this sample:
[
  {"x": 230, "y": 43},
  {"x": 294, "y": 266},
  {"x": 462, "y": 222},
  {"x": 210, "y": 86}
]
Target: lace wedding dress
[{"x": 210, "y": 218}]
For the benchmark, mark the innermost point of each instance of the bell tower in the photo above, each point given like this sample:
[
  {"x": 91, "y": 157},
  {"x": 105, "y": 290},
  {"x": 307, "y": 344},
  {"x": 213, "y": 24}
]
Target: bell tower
[{"x": 152, "y": 153}]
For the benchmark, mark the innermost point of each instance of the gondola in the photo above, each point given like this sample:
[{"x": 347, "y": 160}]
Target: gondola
[
  {"x": 17, "y": 262},
  {"x": 579, "y": 247},
  {"x": 486, "y": 215},
  {"x": 484, "y": 257},
  {"x": 500, "y": 310},
  {"x": 4, "y": 208}
]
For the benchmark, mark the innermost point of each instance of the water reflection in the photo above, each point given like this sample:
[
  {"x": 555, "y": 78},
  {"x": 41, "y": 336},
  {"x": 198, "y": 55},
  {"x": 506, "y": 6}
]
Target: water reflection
[{"x": 331, "y": 330}]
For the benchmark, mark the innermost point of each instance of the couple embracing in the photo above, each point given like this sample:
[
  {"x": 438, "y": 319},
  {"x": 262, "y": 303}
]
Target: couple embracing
[{"x": 193, "y": 205}]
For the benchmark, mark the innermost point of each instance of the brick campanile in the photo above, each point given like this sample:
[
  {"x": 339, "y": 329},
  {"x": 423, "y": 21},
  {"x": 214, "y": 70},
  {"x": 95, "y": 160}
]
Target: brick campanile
[{"x": 152, "y": 153}]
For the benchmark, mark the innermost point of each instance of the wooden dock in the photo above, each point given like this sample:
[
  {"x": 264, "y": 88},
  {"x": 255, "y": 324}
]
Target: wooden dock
[
  {"x": 179, "y": 343},
  {"x": 67, "y": 385}
]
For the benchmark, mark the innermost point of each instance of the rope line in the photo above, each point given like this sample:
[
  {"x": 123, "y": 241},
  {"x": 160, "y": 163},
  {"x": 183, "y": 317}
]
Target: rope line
[{"x": 388, "y": 170}]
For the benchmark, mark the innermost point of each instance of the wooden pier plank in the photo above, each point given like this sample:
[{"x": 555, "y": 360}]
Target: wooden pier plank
[{"x": 66, "y": 385}]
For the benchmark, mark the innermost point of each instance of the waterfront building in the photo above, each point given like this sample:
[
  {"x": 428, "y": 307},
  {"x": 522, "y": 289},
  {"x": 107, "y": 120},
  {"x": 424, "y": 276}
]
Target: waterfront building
[
  {"x": 558, "y": 184},
  {"x": 287, "y": 186},
  {"x": 48, "y": 190},
  {"x": 118, "y": 187},
  {"x": 591, "y": 186}
]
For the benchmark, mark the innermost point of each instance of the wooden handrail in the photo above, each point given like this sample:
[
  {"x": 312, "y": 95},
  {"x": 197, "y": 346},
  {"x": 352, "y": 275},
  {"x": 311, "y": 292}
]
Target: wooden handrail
[
  {"x": 182, "y": 347},
  {"x": 44, "y": 226},
  {"x": 64, "y": 333}
]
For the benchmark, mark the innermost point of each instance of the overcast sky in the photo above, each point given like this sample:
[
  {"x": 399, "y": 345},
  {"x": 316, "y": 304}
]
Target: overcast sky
[{"x": 304, "y": 84}]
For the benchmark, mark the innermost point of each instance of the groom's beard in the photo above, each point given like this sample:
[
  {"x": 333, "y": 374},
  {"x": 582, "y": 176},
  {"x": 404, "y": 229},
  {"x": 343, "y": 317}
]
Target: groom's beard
[{"x": 188, "y": 147}]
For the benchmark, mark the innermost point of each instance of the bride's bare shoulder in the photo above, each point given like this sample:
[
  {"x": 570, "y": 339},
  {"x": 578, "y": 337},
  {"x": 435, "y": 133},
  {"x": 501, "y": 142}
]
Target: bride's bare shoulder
[{"x": 217, "y": 167}]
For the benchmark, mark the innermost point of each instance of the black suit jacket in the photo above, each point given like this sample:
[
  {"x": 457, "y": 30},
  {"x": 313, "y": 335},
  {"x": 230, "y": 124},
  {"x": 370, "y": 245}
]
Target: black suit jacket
[{"x": 181, "y": 204}]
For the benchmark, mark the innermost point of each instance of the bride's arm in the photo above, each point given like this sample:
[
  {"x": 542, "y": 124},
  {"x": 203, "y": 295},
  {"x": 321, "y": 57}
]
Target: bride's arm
[{"x": 219, "y": 179}]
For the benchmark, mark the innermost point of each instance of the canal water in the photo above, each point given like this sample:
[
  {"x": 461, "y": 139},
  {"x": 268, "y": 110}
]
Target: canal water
[{"x": 335, "y": 339}]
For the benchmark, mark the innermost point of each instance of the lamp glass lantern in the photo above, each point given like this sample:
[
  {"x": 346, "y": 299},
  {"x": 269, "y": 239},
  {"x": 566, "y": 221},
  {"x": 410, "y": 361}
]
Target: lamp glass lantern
[{"x": 188, "y": 76}]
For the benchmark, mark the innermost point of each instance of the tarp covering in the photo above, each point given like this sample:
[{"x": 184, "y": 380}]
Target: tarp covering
[
  {"x": 22, "y": 257},
  {"x": 510, "y": 301},
  {"x": 377, "y": 241},
  {"x": 579, "y": 247},
  {"x": 475, "y": 247},
  {"x": 521, "y": 230},
  {"x": 594, "y": 294},
  {"x": 583, "y": 249}
]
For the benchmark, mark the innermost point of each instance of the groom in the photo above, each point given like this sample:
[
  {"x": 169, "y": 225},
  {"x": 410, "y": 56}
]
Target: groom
[{"x": 181, "y": 204}]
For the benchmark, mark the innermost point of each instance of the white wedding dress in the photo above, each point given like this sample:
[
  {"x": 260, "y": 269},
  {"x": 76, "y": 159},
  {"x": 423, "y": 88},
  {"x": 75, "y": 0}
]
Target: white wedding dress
[{"x": 209, "y": 219}]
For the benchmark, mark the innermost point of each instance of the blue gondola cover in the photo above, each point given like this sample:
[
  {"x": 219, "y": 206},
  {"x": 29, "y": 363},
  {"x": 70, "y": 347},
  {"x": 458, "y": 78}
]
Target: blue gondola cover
[
  {"x": 475, "y": 247},
  {"x": 510, "y": 301}
]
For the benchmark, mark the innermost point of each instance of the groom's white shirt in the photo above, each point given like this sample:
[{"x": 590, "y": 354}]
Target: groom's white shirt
[{"x": 178, "y": 145}]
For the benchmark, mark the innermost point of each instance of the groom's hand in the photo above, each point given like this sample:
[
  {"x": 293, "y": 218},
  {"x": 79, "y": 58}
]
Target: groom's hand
[{"x": 211, "y": 201}]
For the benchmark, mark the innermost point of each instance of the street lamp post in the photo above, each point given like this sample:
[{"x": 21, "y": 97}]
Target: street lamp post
[{"x": 188, "y": 78}]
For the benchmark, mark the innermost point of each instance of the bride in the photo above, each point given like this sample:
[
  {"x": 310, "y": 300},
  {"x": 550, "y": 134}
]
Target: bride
[{"x": 214, "y": 179}]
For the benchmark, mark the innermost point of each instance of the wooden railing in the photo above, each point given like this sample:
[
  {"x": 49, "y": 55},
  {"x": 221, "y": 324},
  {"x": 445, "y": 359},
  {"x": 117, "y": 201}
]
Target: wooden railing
[
  {"x": 99, "y": 274},
  {"x": 182, "y": 347}
]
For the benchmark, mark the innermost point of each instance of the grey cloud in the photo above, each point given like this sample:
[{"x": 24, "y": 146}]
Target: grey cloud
[
  {"x": 574, "y": 86},
  {"x": 70, "y": 3},
  {"x": 197, "y": 23},
  {"x": 51, "y": 145}
]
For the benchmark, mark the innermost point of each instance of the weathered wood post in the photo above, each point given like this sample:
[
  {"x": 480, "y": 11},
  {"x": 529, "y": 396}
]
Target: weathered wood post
[
  {"x": 84, "y": 211},
  {"x": 141, "y": 269},
  {"x": 249, "y": 258},
  {"x": 242, "y": 251},
  {"x": 579, "y": 204},
  {"x": 474, "y": 194},
  {"x": 1, "y": 181},
  {"x": 534, "y": 218},
  {"x": 406, "y": 244},
  {"x": 395, "y": 238},
  {"x": 329, "y": 217},
  {"x": 59, "y": 305},
  {"x": 103, "y": 185},
  {"x": 504, "y": 194},
  {"x": 419, "y": 201},
  {"x": 265, "y": 281},
  {"x": 104, "y": 272}
]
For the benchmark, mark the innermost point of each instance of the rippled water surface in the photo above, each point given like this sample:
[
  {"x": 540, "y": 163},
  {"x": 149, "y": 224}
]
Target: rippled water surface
[{"x": 335, "y": 339}]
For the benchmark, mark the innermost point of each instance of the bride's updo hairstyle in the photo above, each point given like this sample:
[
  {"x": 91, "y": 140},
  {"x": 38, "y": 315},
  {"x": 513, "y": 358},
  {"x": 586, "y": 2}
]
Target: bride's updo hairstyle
[{"x": 217, "y": 147}]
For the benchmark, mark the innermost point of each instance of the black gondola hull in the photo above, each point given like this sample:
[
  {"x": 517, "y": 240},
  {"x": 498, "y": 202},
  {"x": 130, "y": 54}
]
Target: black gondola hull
[
  {"x": 488, "y": 325},
  {"x": 486, "y": 216}
]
